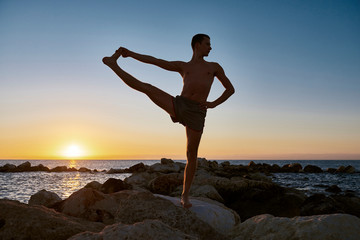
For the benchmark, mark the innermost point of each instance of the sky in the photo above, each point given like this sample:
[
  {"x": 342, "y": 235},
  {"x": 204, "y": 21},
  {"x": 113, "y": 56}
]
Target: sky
[{"x": 295, "y": 66}]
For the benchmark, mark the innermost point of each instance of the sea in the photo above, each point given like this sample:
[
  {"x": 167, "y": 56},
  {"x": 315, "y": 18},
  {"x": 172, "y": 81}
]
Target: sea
[{"x": 20, "y": 186}]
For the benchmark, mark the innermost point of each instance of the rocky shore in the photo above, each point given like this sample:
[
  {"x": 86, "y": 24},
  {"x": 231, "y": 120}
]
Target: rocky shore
[{"x": 229, "y": 202}]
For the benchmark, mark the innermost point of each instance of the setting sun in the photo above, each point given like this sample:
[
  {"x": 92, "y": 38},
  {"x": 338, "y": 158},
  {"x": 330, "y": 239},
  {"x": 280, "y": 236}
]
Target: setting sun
[{"x": 73, "y": 151}]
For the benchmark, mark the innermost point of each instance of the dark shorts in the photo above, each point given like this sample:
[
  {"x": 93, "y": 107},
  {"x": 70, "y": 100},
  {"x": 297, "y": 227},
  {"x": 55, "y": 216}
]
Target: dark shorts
[{"x": 188, "y": 113}]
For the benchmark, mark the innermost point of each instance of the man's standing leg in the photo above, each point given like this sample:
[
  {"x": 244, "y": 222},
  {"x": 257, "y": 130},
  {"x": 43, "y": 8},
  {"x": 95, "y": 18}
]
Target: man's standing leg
[{"x": 193, "y": 141}]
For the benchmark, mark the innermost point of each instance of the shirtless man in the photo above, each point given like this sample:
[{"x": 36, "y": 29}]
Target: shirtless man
[{"x": 190, "y": 107}]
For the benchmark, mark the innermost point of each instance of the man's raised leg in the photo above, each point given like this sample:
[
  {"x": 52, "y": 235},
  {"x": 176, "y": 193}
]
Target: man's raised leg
[
  {"x": 193, "y": 141},
  {"x": 159, "y": 97}
]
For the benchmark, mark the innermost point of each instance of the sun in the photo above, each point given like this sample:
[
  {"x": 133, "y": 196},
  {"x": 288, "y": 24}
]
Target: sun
[{"x": 73, "y": 151}]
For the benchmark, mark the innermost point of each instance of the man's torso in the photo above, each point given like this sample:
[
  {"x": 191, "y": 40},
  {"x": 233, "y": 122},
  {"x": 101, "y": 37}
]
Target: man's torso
[{"x": 198, "y": 78}]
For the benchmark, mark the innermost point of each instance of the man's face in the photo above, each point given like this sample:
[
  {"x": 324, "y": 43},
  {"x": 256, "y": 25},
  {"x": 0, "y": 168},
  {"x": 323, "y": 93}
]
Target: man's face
[{"x": 205, "y": 46}]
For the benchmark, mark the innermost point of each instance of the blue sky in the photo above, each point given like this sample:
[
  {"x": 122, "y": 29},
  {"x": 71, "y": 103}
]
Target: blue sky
[{"x": 295, "y": 66}]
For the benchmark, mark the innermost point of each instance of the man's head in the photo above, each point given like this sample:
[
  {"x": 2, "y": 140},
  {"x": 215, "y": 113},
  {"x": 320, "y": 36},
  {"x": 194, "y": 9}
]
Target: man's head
[{"x": 201, "y": 42}]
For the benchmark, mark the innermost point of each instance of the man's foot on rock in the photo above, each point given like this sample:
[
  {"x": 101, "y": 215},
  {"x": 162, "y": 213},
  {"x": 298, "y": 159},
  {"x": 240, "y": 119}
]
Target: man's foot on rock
[
  {"x": 185, "y": 202},
  {"x": 111, "y": 61}
]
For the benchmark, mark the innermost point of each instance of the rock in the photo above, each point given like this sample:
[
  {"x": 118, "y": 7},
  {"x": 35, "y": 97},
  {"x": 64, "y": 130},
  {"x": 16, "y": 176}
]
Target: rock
[
  {"x": 225, "y": 164},
  {"x": 319, "y": 204},
  {"x": 24, "y": 167},
  {"x": 202, "y": 162},
  {"x": 114, "y": 185},
  {"x": 221, "y": 218},
  {"x": 312, "y": 169},
  {"x": 141, "y": 179},
  {"x": 166, "y": 184},
  {"x": 333, "y": 189},
  {"x": 331, "y": 170},
  {"x": 166, "y": 161},
  {"x": 349, "y": 203},
  {"x": 162, "y": 168},
  {"x": 140, "y": 167},
  {"x": 113, "y": 171},
  {"x": 21, "y": 221},
  {"x": 294, "y": 168},
  {"x": 40, "y": 168},
  {"x": 275, "y": 168},
  {"x": 44, "y": 198},
  {"x": 83, "y": 169},
  {"x": 263, "y": 227},
  {"x": 249, "y": 198},
  {"x": 91, "y": 205},
  {"x": 94, "y": 185},
  {"x": 130, "y": 206},
  {"x": 8, "y": 168},
  {"x": 148, "y": 229},
  {"x": 59, "y": 169},
  {"x": 213, "y": 165},
  {"x": 349, "y": 169},
  {"x": 259, "y": 177}
]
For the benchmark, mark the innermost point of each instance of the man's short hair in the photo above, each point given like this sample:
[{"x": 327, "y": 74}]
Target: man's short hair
[{"x": 198, "y": 38}]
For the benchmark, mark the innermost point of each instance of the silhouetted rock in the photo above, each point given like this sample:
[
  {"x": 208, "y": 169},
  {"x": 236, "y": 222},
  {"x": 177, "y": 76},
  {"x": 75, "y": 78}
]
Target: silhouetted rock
[
  {"x": 83, "y": 169},
  {"x": 114, "y": 185},
  {"x": 166, "y": 184},
  {"x": 331, "y": 170},
  {"x": 140, "y": 167},
  {"x": 112, "y": 171},
  {"x": 263, "y": 227},
  {"x": 94, "y": 185},
  {"x": 24, "y": 167},
  {"x": 294, "y": 168},
  {"x": 44, "y": 198},
  {"x": 40, "y": 168},
  {"x": 166, "y": 161},
  {"x": 21, "y": 221},
  {"x": 59, "y": 169},
  {"x": 348, "y": 169},
  {"x": 165, "y": 168},
  {"x": 312, "y": 169},
  {"x": 8, "y": 168},
  {"x": 333, "y": 189}
]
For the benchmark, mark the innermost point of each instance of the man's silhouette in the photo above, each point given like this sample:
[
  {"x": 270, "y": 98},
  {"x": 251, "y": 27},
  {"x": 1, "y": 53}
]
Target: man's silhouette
[{"x": 190, "y": 107}]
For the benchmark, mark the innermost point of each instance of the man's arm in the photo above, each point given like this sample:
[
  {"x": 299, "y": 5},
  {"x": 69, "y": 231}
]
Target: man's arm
[
  {"x": 229, "y": 88},
  {"x": 175, "y": 66}
]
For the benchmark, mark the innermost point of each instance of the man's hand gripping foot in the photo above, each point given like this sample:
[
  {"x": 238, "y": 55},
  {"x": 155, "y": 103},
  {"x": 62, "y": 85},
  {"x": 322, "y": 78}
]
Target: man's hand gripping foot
[{"x": 111, "y": 61}]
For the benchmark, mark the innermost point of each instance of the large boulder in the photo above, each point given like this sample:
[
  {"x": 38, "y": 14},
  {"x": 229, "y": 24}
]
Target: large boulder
[
  {"x": 326, "y": 227},
  {"x": 165, "y": 168},
  {"x": 320, "y": 204},
  {"x": 8, "y": 168},
  {"x": 312, "y": 169},
  {"x": 24, "y": 167},
  {"x": 21, "y": 221},
  {"x": 44, "y": 198},
  {"x": 166, "y": 161},
  {"x": 250, "y": 198},
  {"x": 148, "y": 229},
  {"x": 141, "y": 179},
  {"x": 221, "y": 218},
  {"x": 114, "y": 185},
  {"x": 130, "y": 206},
  {"x": 166, "y": 184}
]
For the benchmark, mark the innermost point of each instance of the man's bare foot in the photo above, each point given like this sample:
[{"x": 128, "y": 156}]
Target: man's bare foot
[
  {"x": 185, "y": 201},
  {"x": 111, "y": 61}
]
